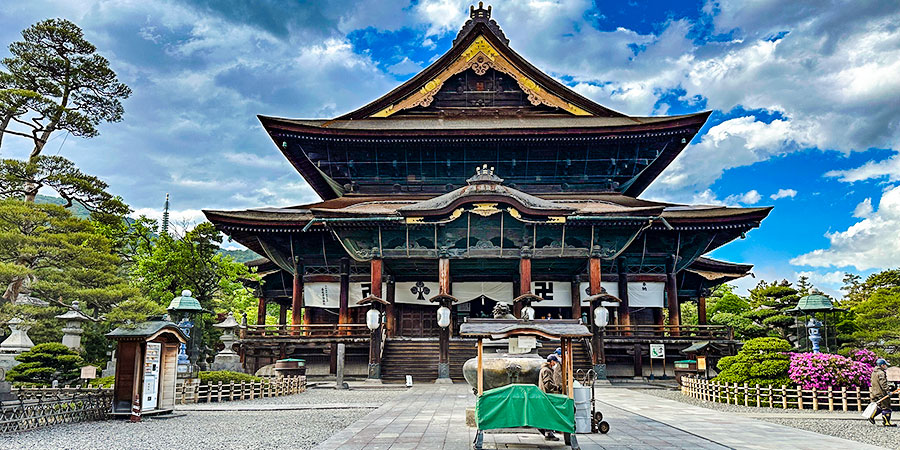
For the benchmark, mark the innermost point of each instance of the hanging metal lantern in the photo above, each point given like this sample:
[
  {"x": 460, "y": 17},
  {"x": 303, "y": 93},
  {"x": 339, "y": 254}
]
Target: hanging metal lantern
[
  {"x": 443, "y": 317},
  {"x": 601, "y": 317},
  {"x": 373, "y": 319},
  {"x": 528, "y": 313}
]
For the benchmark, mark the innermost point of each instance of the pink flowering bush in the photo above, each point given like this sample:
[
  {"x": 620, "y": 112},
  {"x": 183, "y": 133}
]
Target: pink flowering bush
[
  {"x": 823, "y": 370},
  {"x": 865, "y": 356}
]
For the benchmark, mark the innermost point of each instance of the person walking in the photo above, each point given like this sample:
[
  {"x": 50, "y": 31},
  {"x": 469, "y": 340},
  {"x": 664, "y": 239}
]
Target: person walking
[
  {"x": 880, "y": 391},
  {"x": 557, "y": 370},
  {"x": 547, "y": 383}
]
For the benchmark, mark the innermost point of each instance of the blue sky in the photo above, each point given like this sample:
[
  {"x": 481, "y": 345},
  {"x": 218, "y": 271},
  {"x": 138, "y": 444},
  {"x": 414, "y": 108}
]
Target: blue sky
[{"x": 804, "y": 95}]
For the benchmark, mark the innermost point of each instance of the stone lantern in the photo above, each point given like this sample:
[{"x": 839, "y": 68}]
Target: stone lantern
[
  {"x": 72, "y": 330},
  {"x": 227, "y": 359},
  {"x": 17, "y": 342}
]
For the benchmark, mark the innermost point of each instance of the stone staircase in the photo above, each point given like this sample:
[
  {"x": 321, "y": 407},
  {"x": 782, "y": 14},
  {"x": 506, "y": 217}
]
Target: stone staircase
[{"x": 419, "y": 358}]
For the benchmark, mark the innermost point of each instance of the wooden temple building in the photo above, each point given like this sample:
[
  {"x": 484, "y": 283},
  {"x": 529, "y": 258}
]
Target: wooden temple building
[{"x": 480, "y": 180}]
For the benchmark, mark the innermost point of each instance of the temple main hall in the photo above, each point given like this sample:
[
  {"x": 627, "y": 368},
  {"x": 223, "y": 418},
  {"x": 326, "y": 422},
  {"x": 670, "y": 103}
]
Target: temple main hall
[{"x": 481, "y": 181}]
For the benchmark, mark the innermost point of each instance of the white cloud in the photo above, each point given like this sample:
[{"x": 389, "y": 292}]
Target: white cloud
[
  {"x": 863, "y": 209},
  {"x": 888, "y": 168},
  {"x": 871, "y": 243},
  {"x": 176, "y": 216},
  {"x": 784, "y": 193},
  {"x": 737, "y": 142},
  {"x": 406, "y": 66}
]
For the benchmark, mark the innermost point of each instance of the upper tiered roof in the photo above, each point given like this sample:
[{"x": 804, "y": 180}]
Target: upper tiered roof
[{"x": 481, "y": 102}]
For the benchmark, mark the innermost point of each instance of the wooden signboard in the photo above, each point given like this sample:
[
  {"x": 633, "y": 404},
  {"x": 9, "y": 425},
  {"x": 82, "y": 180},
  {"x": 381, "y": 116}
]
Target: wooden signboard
[{"x": 88, "y": 373}]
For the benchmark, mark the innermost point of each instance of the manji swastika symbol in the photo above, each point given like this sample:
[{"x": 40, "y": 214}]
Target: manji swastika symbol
[{"x": 544, "y": 289}]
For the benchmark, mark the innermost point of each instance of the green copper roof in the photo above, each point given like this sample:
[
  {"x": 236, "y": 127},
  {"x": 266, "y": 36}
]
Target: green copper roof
[
  {"x": 813, "y": 303},
  {"x": 145, "y": 329},
  {"x": 185, "y": 302}
]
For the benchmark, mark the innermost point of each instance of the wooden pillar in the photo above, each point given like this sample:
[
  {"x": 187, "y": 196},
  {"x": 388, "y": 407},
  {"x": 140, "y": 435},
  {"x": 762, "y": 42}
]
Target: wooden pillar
[
  {"x": 638, "y": 362},
  {"x": 444, "y": 283},
  {"x": 576, "y": 300},
  {"x": 344, "y": 311},
  {"x": 138, "y": 381},
  {"x": 594, "y": 279},
  {"x": 624, "y": 310},
  {"x": 524, "y": 283},
  {"x": 389, "y": 312},
  {"x": 282, "y": 313},
  {"x": 297, "y": 294},
  {"x": 701, "y": 307},
  {"x": 375, "y": 267},
  {"x": 672, "y": 294},
  {"x": 261, "y": 311}
]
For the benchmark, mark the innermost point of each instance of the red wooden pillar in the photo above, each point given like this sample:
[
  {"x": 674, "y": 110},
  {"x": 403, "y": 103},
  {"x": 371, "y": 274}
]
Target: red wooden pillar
[
  {"x": 390, "y": 314},
  {"x": 444, "y": 283},
  {"x": 701, "y": 306},
  {"x": 282, "y": 313},
  {"x": 524, "y": 283},
  {"x": 672, "y": 294},
  {"x": 297, "y": 294},
  {"x": 375, "y": 267},
  {"x": 594, "y": 277},
  {"x": 261, "y": 311},
  {"x": 344, "y": 311},
  {"x": 576, "y": 300}
]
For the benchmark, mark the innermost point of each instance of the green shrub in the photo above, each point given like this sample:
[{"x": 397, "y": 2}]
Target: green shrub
[
  {"x": 106, "y": 382},
  {"x": 44, "y": 362},
  {"x": 744, "y": 328},
  {"x": 225, "y": 377},
  {"x": 760, "y": 361}
]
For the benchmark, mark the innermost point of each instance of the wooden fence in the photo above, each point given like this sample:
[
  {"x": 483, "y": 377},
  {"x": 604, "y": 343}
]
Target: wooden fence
[
  {"x": 794, "y": 397},
  {"x": 224, "y": 392},
  {"x": 40, "y": 407}
]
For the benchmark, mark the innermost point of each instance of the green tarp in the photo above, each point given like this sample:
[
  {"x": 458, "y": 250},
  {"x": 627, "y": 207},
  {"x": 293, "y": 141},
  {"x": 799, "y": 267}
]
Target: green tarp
[{"x": 524, "y": 405}]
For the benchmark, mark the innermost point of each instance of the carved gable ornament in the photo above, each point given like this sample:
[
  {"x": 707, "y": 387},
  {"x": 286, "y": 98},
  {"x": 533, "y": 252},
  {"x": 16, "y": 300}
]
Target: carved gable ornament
[{"x": 481, "y": 56}]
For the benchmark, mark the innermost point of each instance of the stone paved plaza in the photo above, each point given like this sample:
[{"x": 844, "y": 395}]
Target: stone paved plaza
[{"x": 427, "y": 416}]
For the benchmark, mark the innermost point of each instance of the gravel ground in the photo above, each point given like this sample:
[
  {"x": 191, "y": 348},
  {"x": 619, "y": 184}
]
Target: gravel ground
[
  {"x": 301, "y": 429},
  {"x": 854, "y": 430}
]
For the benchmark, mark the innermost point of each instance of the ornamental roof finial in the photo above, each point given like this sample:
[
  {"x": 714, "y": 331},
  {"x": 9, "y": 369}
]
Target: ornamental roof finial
[
  {"x": 484, "y": 175},
  {"x": 480, "y": 13}
]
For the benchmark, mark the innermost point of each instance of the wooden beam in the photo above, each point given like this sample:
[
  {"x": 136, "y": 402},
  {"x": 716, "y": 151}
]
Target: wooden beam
[
  {"x": 282, "y": 314},
  {"x": 594, "y": 279},
  {"x": 375, "y": 267},
  {"x": 576, "y": 300},
  {"x": 444, "y": 333}
]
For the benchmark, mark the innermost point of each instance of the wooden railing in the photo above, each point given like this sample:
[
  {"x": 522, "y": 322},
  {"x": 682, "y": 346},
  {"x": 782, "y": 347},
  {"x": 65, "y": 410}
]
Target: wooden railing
[
  {"x": 327, "y": 330},
  {"x": 785, "y": 397},
  {"x": 40, "y": 407},
  {"x": 223, "y": 392},
  {"x": 697, "y": 332}
]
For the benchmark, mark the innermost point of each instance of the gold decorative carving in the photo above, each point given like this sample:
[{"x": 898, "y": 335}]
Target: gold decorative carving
[
  {"x": 485, "y": 209},
  {"x": 456, "y": 213},
  {"x": 514, "y": 212},
  {"x": 415, "y": 220},
  {"x": 556, "y": 219},
  {"x": 481, "y": 56}
]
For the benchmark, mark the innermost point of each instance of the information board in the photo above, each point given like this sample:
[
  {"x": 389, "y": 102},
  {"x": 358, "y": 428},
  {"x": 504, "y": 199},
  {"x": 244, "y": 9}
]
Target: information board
[{"x": 658, "y": 351}]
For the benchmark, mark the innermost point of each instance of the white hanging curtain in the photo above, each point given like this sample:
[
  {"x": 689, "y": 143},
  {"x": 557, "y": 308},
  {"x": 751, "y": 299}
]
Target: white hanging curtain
[
  {"x": 494, "y": 290},
  {"x": 612, "y": 288},
  {"x": 328, "y": 294},
  {"x": 416, "y": 292}
]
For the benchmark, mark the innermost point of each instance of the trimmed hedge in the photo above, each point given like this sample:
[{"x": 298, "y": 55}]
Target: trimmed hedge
[
  {"x": 226, "y": 376},
  {"x": 106, "y": 382}
]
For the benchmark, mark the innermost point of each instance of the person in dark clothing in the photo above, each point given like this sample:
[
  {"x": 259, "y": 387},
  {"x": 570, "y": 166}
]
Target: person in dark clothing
[
  {"x": 548, "y": 384},
  {"x": 878, "y": 390}
]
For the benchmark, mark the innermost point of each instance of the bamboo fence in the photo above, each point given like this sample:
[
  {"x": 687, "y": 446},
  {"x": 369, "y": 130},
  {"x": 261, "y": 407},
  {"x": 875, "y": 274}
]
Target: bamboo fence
[
  {"x": 784, "y": 396},
  {"x": 224, "y": 392}
]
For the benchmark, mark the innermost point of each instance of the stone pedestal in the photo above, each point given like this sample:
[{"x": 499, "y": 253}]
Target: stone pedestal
[{"x": 227, "y": 359}]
